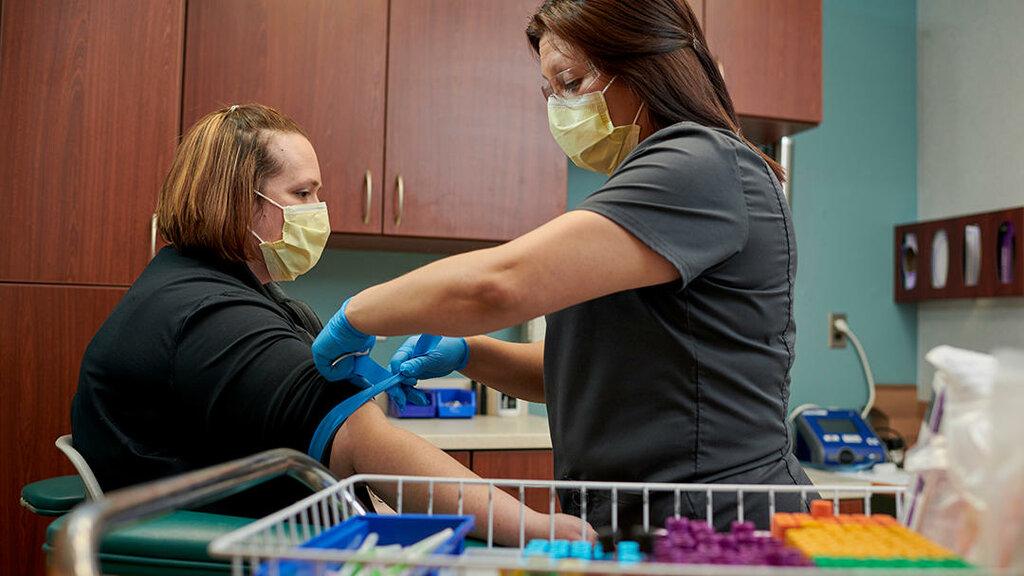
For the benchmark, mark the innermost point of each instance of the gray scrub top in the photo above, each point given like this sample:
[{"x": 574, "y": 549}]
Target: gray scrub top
[{"x": 686, "y": 381}]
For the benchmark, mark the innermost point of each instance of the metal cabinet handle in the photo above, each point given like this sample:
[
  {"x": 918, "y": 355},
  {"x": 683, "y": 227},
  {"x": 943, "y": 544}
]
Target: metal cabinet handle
[
  {"x": 152, "y": 236},
  {"x": 400, "y": 189},
  {"x": 368, "y": 185},
  {"x": 786, "y": 160}
]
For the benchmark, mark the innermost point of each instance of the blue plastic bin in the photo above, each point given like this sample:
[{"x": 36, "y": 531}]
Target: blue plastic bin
[
  {"x": 413, "y": 411},
  {"x": 404, "y": 529},
  {"x": 466, "y": 398}
]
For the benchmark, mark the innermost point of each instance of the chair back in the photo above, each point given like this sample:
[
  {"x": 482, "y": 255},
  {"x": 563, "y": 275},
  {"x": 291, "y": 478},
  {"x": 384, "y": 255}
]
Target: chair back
[{"x": 92, "y": 487}]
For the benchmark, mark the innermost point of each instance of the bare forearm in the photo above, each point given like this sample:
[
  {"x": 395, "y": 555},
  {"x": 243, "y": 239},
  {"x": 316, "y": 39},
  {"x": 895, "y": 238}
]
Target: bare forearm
[
  {"x": 574, "y": 258},
  {"x": 368, "y": 444},
  {"x": 461, "y": 295},
  {"x": 515, "y": 369}
]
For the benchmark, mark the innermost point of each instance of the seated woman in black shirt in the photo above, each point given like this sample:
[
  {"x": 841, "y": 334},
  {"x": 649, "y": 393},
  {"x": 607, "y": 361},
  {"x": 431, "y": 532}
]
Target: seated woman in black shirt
[{"x": 206, "y": 360}]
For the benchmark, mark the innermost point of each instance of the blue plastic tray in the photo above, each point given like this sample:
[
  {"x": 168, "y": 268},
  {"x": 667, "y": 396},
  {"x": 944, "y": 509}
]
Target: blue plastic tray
[
  {"x": 446, "y": 395},
  {"x": 404, "y": 529}
]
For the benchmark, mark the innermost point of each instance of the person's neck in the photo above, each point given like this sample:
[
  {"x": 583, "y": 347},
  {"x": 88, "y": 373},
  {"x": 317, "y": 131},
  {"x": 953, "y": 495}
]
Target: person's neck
[{"x": 259, "y": 270}]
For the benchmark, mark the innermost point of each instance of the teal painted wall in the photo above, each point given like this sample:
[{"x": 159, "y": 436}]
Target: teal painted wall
[{"x": 854, "y": 177}]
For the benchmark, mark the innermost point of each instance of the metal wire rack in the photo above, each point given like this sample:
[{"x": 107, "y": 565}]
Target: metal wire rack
[{"x": 279, "y": 537}]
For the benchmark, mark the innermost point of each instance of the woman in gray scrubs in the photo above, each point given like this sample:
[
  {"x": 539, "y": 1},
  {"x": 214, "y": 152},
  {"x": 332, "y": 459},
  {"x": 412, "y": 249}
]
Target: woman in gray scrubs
[{"x": 668, "y": 292}]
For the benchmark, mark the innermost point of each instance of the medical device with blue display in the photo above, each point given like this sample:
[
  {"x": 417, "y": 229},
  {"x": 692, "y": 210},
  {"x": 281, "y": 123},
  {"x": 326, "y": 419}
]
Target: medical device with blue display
[{"x": 837, "y": 439}]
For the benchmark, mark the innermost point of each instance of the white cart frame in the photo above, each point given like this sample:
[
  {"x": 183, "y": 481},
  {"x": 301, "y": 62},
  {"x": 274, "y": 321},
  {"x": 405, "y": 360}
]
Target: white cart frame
[{"x": 279, "y": 537}]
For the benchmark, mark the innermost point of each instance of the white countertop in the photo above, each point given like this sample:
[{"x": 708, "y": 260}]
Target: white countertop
[
  {"x": 526, "y": 432},
  {"x": 881, "y": 476},
  {"x": 530, "y": 432},
  {"x": 841, "y": 480}
]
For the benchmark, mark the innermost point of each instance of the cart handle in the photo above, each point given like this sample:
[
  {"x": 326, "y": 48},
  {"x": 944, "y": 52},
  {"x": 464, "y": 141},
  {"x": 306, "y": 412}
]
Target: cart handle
[{"x": 77, "y": 544}]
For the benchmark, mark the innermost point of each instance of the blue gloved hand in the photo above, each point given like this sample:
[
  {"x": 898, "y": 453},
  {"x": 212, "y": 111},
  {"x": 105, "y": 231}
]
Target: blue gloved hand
[
  {"x": 340, "y": 340},
  {"x": 406, "y": 392},
  {"x": 449, "y": 355},
  {"x": 368, "y": 373}
]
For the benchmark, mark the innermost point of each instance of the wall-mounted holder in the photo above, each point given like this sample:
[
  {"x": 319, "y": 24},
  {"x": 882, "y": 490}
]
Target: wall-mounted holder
[{"x": 975, "y": 256}]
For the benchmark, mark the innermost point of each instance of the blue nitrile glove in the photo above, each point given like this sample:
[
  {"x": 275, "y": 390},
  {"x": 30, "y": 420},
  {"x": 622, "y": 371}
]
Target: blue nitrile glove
[
  {"x": 406, "y": 392},
  {"x": 340, "y": 339},
  {"x": 449, "y": 355}
]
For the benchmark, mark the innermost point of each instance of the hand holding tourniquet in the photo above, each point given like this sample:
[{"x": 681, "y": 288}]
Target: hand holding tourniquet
[
  {"x": 445, "y": 357},
  {"x": 337, "y": 346}
]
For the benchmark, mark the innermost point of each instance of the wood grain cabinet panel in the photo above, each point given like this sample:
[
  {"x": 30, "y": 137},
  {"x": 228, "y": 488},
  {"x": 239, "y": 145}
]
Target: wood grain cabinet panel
[
  {"x": 519, "y": 465},
  {"x": 89, "y": 104},
  {"x": 463, "y": 457},
  {"x": 321, "y": 62},
  {"x": 45, "y": 332},
  {"x": 467, "y": 125},
  {"x": 770, "y": 53}
]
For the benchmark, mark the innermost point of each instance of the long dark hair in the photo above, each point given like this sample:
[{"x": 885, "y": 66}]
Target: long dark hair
[{"x": 657, "y": 47}]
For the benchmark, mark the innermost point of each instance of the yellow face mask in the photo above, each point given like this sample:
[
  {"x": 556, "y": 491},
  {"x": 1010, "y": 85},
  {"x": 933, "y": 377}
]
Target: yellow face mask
[
  {"x": 303, "y": 237},
  {"x": 583, "y": 128}
]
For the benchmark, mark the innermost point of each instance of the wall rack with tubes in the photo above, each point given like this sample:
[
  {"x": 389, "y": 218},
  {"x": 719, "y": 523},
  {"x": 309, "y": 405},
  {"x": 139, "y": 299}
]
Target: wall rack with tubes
[{"x": 974, "y": 256}]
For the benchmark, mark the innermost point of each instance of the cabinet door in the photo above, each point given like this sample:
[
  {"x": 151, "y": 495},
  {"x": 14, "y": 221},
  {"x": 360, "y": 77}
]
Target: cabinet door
[
  {"x": 462, "y": 457},
  {"x": 89, "y": 104},
  {"x": 770, "y": 53},
  {"x": 467, "y": 124},
  {"x": 45, "y": 331},
  {"x": 320, "y": 62},
  {"x": 519, "y": 465}
]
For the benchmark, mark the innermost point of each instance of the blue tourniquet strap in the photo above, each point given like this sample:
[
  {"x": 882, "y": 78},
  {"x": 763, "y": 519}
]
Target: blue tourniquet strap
[
  {"x": 380, "y": 378},
  {"x": 372, "y": 372}
]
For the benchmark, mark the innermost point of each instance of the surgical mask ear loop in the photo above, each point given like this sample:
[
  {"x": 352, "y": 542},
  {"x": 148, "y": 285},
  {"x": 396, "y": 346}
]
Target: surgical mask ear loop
[
  {"x": 605, "y": 89},
  {"x": 267, "y": 198},
  {"x": 608, "y": 85},
  {"x": 638, "y": 110}
]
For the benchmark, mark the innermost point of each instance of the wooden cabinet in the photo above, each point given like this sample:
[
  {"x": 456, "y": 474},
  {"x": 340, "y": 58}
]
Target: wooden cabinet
[
  {"x": 462, "y": 150},
  {"x": 464, "y": 457},
  {"x": 514, "y": 465},
  {"x": 519, "y": 465},
  {"x": 770, "y": 53},
  {"x": 45, "y": 331},
  {"x": 90, "y": 96},
  {"x": 321, "y": 62},
  {"x": 467, "y": 126},
  {"x": 89, "y": 103}
]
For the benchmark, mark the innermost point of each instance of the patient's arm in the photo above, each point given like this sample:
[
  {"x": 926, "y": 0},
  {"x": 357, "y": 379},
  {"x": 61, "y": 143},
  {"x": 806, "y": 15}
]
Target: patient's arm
[{"x": 368, "y": 444}]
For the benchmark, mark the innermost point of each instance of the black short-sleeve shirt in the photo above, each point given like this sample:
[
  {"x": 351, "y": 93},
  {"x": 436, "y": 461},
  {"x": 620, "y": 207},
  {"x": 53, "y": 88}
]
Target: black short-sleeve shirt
[
  {"x": 198, "y": 364},
  {"x": 686, "y": 381}
]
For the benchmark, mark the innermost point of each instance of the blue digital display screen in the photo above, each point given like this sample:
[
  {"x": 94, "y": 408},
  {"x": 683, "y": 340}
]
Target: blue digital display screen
[{"x": 838, "y": 426}]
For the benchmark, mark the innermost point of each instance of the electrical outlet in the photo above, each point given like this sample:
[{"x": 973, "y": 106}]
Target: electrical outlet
[{"x": 836, "y": 339}]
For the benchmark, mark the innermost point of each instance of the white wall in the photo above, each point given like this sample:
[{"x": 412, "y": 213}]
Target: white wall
[{"x": 970, "y": 118}]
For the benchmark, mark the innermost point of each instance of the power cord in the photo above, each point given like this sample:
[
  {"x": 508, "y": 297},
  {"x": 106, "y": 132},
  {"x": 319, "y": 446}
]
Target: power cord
[
  {"x": 869, "y": 376},
  {"x": 843, "y": 327}
]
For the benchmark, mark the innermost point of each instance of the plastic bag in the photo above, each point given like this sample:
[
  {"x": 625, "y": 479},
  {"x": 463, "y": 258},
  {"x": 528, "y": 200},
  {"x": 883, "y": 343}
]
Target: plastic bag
[
  {"x": 953, "y": 451},
  {"x": 1001, "y": 542}
]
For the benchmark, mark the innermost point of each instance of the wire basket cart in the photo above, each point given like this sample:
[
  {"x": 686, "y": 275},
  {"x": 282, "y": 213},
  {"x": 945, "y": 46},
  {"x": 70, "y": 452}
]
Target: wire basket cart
[{"x": 262, "y": 547}]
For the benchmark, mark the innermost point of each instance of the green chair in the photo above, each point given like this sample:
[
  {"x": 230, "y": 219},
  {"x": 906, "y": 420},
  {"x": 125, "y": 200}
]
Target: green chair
[
  {"x": 56, "y": 496},
  {"x": 161, "y": 539}
]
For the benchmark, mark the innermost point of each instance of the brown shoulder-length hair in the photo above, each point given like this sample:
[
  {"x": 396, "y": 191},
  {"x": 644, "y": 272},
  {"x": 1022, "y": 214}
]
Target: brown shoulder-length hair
[
  {"x": 657, "y": 47},
  {"x": 208, "y": 197}
]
